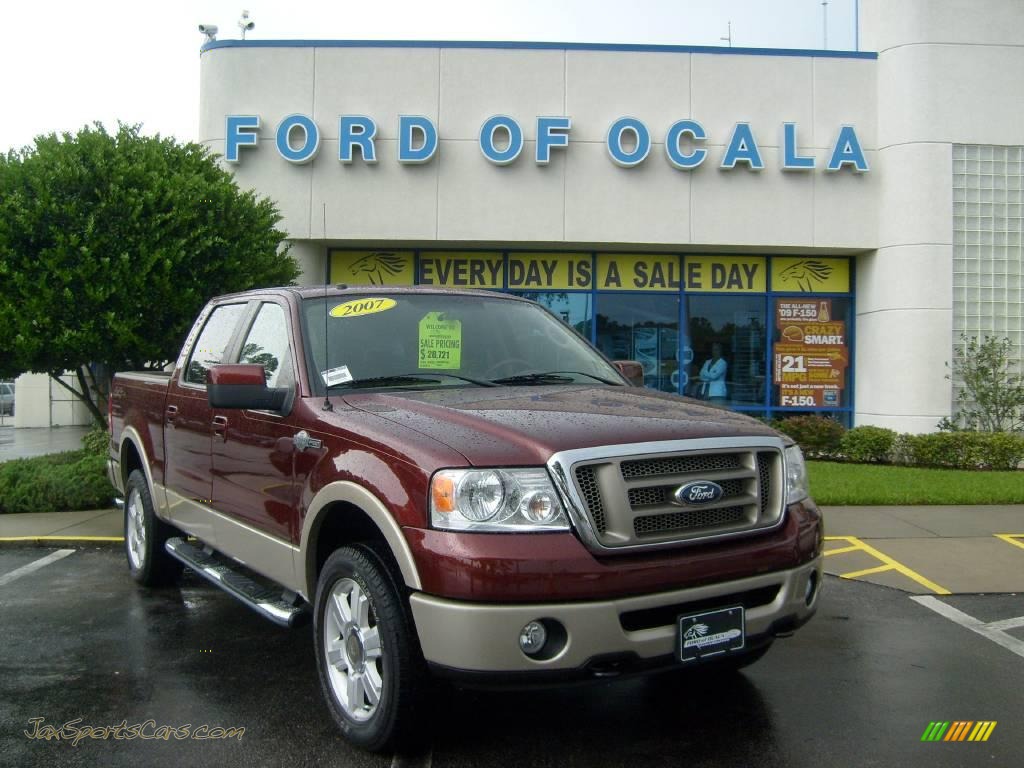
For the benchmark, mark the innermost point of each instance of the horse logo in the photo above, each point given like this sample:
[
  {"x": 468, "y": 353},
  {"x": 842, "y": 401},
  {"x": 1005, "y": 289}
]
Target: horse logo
[
  {"x": 806, "y": 274},
  {"x": 377, "y": 267}
]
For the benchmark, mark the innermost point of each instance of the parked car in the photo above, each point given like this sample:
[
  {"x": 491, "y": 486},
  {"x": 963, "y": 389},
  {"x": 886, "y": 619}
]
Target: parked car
[
  {"x": 7, "y": 398},
  {"x": 457, "y": 484}
]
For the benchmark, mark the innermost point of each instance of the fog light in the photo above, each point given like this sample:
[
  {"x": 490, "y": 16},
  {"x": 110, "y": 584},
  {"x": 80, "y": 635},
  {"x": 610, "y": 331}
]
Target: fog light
[
  {"x": 532, "y": 638},
  {"x": 812, "y": 586}
]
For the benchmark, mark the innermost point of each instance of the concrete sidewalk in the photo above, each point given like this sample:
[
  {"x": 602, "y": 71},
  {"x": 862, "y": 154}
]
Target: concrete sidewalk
[
  {"x": 923, "y": 550},
  {"x": 24, "y": 442}
]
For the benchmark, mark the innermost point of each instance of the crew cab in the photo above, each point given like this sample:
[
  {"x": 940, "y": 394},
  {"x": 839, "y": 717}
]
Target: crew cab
[{"x": 457, "y": 483}]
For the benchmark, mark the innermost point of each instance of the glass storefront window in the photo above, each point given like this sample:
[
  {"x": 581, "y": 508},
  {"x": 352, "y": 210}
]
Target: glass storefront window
[
  {"x": 734, "y": 328},
  {"x": 645, "y": 329},
  {"x": 573, "y": 308}
]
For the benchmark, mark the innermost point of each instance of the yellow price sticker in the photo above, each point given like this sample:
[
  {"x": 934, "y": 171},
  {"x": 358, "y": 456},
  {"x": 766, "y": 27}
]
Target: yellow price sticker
[{"x": 360, "y": 307}]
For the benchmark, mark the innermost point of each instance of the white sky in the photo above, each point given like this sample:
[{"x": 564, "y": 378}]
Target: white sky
[{"x": 66, "y": 64}]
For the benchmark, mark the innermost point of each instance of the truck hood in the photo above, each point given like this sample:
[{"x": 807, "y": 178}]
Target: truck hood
[{"x": 512, "y": 426}]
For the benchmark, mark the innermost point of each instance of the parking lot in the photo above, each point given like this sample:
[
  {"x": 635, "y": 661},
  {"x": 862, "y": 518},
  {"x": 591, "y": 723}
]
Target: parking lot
[{"x": 859, "y": 685}]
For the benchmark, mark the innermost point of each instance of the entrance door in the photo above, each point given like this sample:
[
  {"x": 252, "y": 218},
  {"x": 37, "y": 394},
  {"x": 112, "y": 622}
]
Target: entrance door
[{"x": 642, "y": 328}]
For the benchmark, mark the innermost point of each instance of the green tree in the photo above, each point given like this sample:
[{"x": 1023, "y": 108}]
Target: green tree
[
  {"x": 989, "y": 386},
  {"x": 109, "y": 246}
]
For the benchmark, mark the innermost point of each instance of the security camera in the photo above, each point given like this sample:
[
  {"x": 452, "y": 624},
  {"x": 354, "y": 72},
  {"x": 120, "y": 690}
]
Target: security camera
[
  {"x": 210, "y": 30},
  {"x": 245, "y": 24}
]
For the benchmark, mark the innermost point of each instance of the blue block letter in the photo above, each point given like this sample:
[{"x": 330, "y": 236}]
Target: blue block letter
[
  {"x": 307, "y": 149},
  {"x": 241, "y": 131},
  {"x": 515, "y": 139},
  {"x": 742, "y": 149},
  {"x": 695, "y": 131},
  {"x": 640, "y": 133},
  {"x": 791, "y": 160},
  {"x": 847, "y": 151},
  {"x": 356, "y": 131},
  {"x": 408, "y": 127},
  {"x": 547, "y": 138}
]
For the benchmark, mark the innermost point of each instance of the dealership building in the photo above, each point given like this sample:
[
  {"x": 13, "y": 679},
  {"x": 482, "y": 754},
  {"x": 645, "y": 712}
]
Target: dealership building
[{"x": 832, "y": 221}]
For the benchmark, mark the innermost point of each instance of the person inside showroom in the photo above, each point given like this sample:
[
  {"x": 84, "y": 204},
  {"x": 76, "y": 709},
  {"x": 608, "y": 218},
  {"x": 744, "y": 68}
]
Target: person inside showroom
[{"x": 712, "y": 376}]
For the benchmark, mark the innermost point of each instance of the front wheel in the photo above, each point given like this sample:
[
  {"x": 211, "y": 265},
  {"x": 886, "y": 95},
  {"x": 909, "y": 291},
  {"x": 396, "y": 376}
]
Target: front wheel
[
  {"x": 145, "y": 535},
  {"x": 369, "y": 662}
]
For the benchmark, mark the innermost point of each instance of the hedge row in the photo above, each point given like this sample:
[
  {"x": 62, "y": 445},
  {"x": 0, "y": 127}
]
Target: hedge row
[
  {"x": 58, "y": 482},
  {"x": 824, "y": 438}
]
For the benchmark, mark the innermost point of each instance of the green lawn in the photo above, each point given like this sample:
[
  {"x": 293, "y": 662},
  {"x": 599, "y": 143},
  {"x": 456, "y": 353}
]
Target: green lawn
[{"x": 839, "y": 484}]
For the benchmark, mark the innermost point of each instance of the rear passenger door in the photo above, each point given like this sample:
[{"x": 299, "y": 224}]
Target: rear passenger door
[{"x": 188, "y": 424}]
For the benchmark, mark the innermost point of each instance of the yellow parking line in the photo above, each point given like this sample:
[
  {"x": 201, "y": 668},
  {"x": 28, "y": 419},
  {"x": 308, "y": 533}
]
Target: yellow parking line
[
  {"x": 866, "y": 572},
  {"x": 1011, "y": 538},
  {"x": 888, "y": 564},
  {"x": 842, "y": 550},
  {"x": 62, "y": 538}
]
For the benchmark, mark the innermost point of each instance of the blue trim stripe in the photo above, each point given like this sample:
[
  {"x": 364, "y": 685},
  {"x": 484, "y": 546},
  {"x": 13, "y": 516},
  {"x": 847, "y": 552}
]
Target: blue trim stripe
[{"x": 540, "y": 46}]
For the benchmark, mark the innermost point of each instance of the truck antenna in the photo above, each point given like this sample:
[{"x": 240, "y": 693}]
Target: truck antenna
[{"x": 327, "y": 347}]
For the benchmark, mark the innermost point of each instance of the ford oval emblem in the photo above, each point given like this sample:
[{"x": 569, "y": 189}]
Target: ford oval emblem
[{"x": 698, "y": 492}]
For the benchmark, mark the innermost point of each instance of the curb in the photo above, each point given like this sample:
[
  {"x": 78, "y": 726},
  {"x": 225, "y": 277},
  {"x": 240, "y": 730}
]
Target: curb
[{"x": 48, "y": 541}]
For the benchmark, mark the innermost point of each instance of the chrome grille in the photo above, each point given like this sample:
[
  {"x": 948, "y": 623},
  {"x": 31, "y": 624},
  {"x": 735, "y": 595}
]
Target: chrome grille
[
  {"x": 585, "y": 476},
  {"x": 653, "y": 525},
  {"x": 629, "y": 499}
]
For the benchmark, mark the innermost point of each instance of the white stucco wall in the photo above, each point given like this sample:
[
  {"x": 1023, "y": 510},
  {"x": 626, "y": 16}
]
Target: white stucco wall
[
  {"x": 948, "y": 72},
  {"x": 581, "y": 197}
]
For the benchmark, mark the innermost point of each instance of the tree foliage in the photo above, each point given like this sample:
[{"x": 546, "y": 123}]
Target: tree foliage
[
  {"x": 111, "y": 243},
  {"x": 990, "y": 386}
]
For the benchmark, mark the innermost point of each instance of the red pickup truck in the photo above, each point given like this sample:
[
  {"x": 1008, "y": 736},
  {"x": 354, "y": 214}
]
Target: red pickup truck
[{"x": 456, "y": 483}]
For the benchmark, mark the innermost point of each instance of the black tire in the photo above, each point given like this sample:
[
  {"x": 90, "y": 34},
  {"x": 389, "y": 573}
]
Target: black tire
[
  {"x": 144, "y": 536},
  {"x": 373, "y": 651}
]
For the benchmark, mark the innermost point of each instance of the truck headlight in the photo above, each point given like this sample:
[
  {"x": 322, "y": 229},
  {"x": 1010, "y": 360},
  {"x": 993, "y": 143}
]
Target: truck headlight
[
  {"x": 495, "y": 500},
  {"x": 796, "y": 475}
]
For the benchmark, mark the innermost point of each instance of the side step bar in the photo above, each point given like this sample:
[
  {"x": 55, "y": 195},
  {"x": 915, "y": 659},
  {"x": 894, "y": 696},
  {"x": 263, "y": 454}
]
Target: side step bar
[{"x": 267, "y": 601}]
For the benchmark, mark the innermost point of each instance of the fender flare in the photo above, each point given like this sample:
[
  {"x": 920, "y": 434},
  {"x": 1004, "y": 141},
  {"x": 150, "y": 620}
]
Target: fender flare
[
  {"x": 352, "y": 493},
  {"x": 131, "y": 435}
]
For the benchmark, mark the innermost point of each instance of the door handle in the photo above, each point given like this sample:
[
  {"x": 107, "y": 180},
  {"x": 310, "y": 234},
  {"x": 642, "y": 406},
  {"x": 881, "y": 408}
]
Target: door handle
[
  {"x": 170, "y": 413},
  {"x": 219, "y": 425}
]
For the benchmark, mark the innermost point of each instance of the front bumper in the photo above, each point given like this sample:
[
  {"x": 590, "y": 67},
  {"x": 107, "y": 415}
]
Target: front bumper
[{"x": 483, "y": 638}]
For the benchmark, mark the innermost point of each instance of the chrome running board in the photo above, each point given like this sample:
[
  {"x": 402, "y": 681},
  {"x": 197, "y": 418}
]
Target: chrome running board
[{"x": 275, "y": 603}]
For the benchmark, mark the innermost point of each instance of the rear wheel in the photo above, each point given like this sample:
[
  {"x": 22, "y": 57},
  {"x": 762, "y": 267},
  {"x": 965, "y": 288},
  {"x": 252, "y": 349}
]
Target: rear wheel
[
  {"x": 145, "y": 535},
  {"x": 369, "y": 662}
]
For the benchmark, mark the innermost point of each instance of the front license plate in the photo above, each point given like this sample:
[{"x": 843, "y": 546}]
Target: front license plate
[{"x": 711, "y": 633}]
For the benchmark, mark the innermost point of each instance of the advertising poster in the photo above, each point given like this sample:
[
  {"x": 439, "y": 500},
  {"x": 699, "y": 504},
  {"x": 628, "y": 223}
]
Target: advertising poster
[{"x": 810, "y": 354}]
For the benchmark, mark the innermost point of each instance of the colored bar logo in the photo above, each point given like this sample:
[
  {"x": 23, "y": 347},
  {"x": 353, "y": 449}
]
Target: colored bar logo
[{"x": 959, "y": 730}]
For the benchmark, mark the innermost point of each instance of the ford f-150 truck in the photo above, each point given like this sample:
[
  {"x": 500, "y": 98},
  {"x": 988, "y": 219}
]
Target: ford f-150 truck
[{"x": 456, "y": 483}]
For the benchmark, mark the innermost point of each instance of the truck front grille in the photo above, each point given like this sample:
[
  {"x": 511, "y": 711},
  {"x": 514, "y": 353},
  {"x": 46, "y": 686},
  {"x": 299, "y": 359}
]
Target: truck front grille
[{"x": 630, "y": 499}]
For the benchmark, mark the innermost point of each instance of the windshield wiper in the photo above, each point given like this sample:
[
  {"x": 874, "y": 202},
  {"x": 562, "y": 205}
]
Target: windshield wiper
[
  {"x": 550, "y": 377},
  {"x": 406, "y": 378}
]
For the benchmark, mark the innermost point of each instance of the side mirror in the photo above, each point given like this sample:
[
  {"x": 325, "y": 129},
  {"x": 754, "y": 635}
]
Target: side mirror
[
  {"x": 632, "y": 370},
  {"x": 243, "y": 386}
]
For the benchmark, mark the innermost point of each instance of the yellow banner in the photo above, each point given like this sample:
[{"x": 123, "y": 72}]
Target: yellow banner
[
  {"x": 379, "y": 267},
  {"x": 470, "y": 269},
  {"x": 725, "y": 274},
  {"x": 811, "y": 274},
  {"x": 637, "y": 272},
  {"x": 557, "y": 271}
]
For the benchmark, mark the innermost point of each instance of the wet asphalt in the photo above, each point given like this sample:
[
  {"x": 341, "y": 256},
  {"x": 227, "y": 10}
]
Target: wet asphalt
[{"x": 856, "y": 687}]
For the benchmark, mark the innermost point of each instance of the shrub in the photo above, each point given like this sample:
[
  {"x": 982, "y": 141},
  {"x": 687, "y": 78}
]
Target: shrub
[
  {"x": 817, "y": 436},
  {"x": 961, "y": 450},
  {"x": 989, "y": 384},
  {"x": 96, "y": 441},
  {"x": 54, "y": 483},
  {"x": 867, "y": 444}
]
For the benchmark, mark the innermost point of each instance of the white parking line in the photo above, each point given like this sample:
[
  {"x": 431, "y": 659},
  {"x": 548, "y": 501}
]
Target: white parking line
[
  {"x": 996, "y": 635},
  {"x": 1007, "y": 623},
  {"x": 35, "y": 565}
]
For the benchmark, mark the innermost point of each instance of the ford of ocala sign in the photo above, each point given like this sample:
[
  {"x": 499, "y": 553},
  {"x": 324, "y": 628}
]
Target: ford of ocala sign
[{"x": 501, "y": 142}]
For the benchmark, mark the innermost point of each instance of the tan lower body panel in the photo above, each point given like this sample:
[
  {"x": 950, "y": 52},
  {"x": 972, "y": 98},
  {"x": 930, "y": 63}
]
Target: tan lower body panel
[
  {"x": 484, "y": 637},
  {"x": 259, "y": 551}
]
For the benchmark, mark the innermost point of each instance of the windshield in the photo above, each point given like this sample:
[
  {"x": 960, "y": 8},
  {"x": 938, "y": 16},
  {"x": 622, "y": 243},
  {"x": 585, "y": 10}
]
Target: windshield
[{"x": 417, "y": 341}]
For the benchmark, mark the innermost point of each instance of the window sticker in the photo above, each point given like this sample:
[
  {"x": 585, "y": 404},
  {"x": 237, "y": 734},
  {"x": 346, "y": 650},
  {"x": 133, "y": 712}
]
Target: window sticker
[
  {"x": 360, "y": 307},
  {"x": 440, "y": 342},
  {"x": 338, "y": 375}
]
